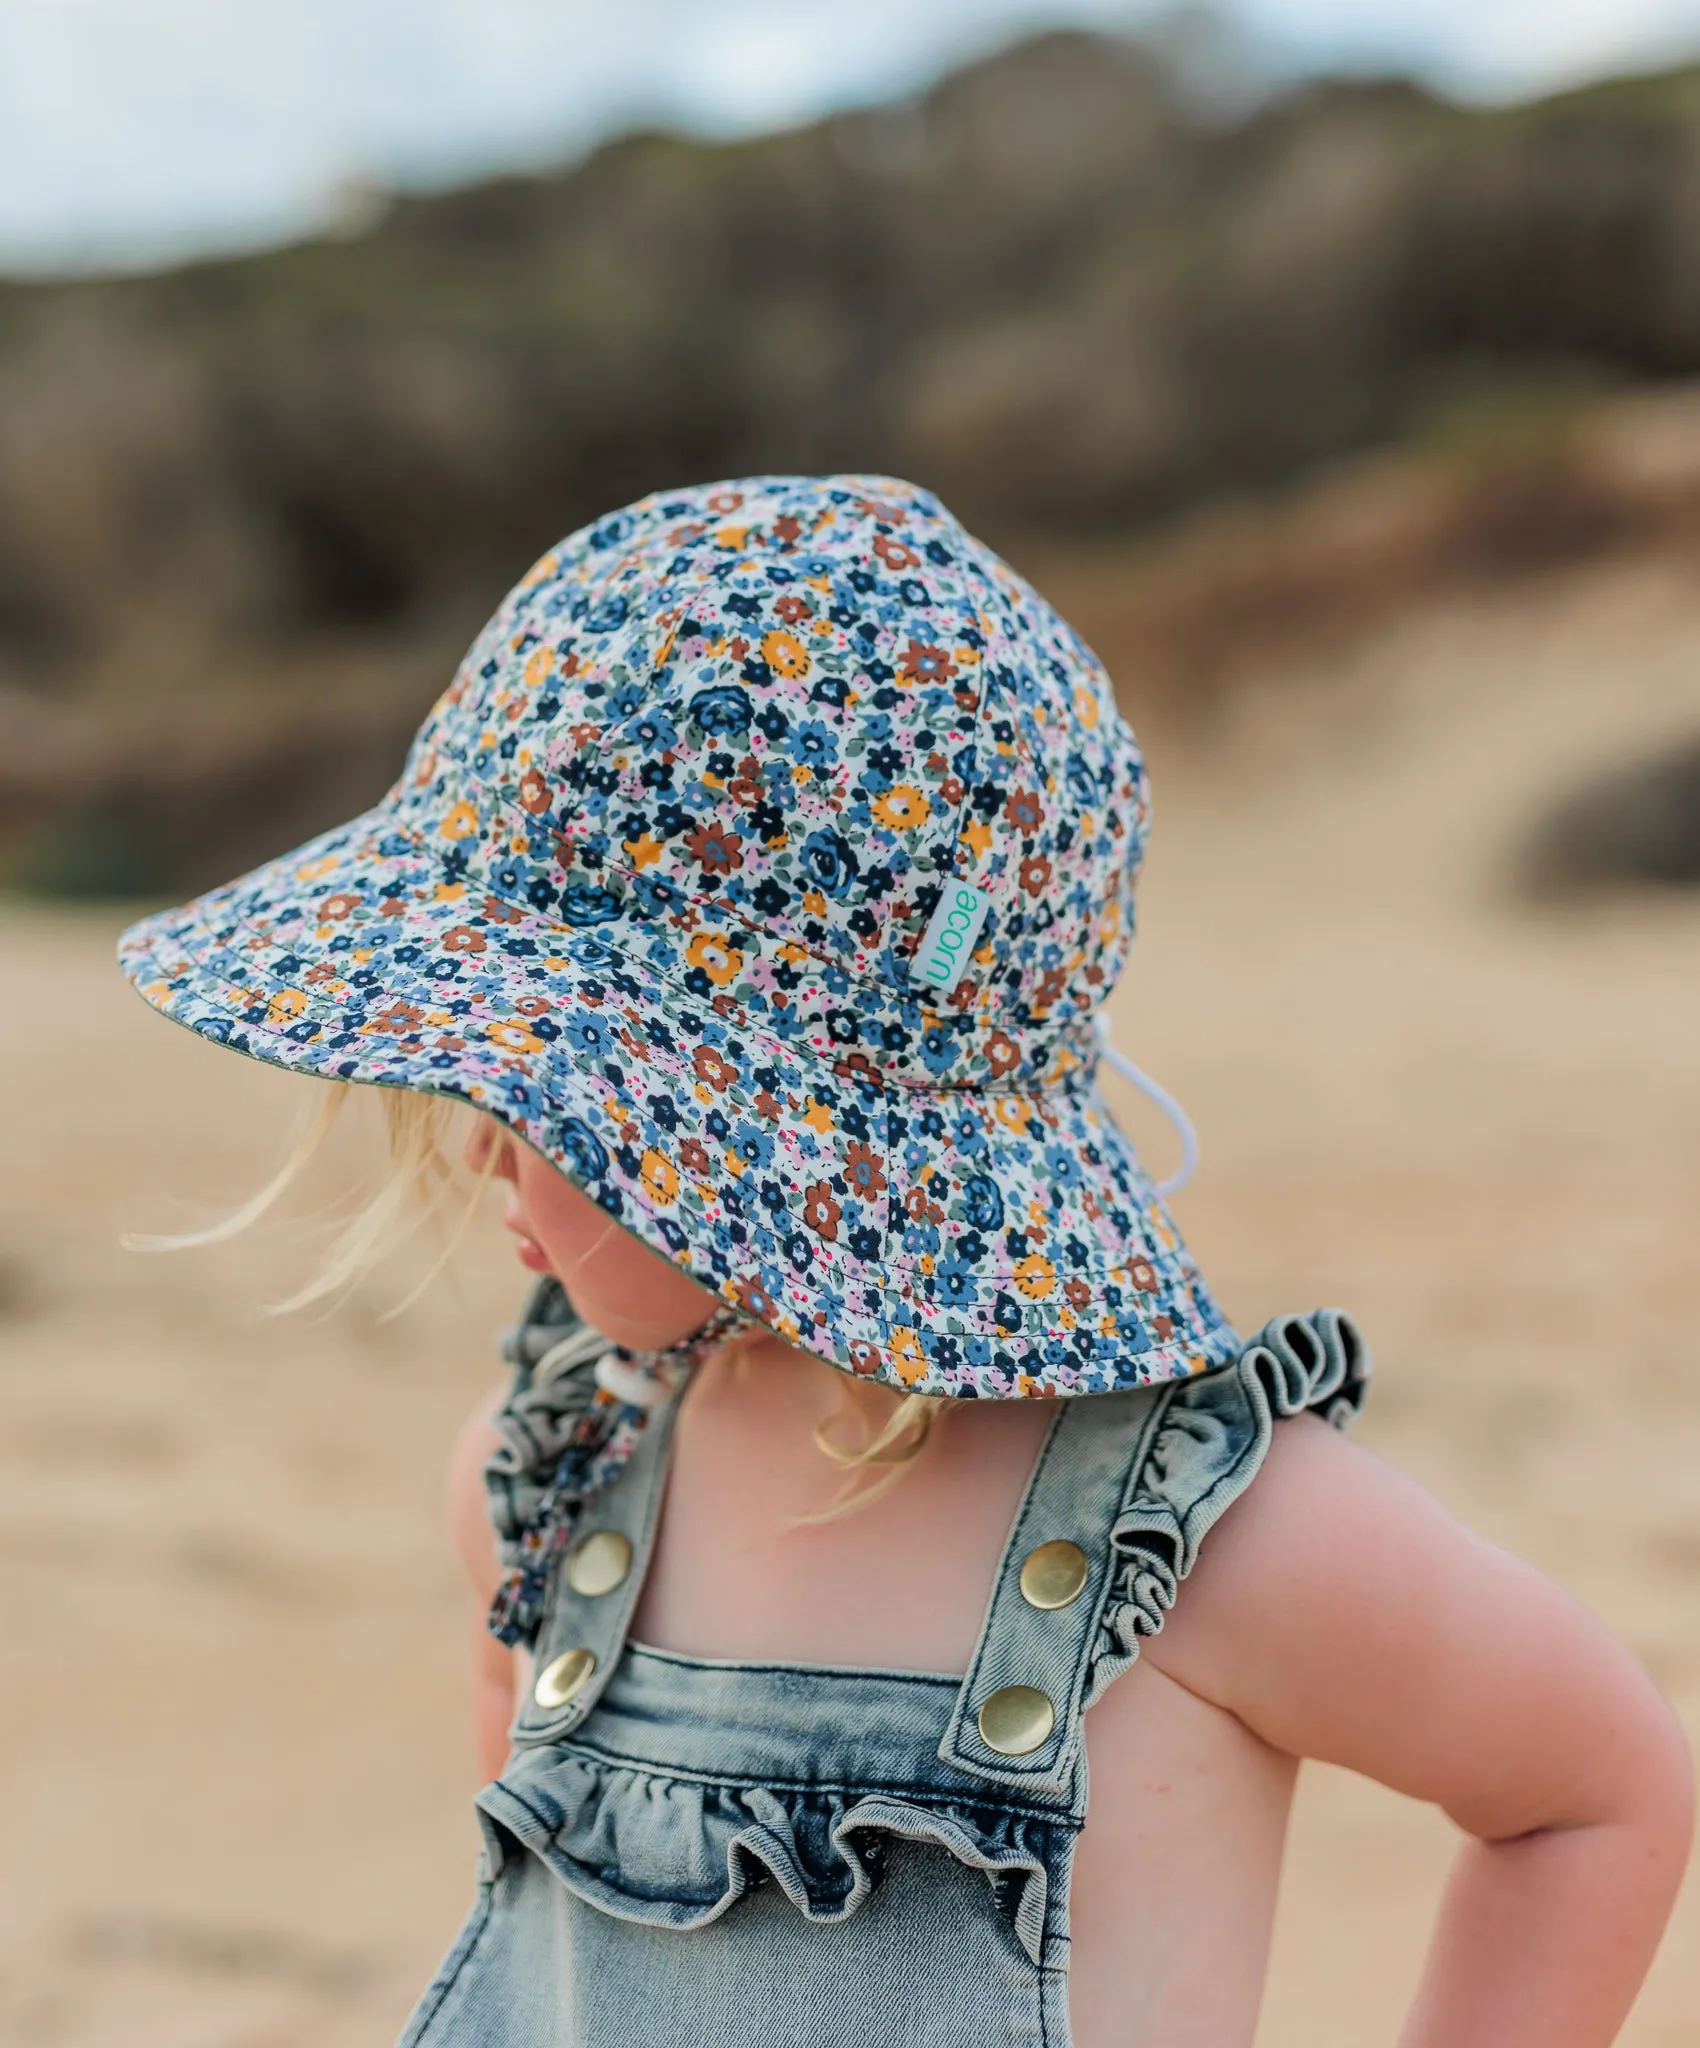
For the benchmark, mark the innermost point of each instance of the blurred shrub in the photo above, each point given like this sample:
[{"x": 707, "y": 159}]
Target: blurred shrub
[{"x": 1636, "y": 825}]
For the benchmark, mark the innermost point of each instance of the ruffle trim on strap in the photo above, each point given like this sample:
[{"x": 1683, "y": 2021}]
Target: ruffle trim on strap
[
  {"x": 573, "y": 1416},
  {"x": 678, "y": 1853},
  {"x": 1222, "y": 1422}
]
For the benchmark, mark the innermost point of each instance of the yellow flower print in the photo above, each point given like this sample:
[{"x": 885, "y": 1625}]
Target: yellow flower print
[
  {"x": 642, "y": 851},
  {"x": 540, "y": 571},
  {"x": 286, "y": 1006},
  {"x": 785, "y": 654},
  {"x": 716, "y": 955},
  {"x": 979, "y": 837},
  {"x": 902, "y": 808},
  {"x": 512, "y": 1036},
  {"x": 1086, "y": 705},
  {"x": 659, "y": 1176},
  {"x": 315, "y": 870},
  {"x": 817, "y": 1116},
  {"x": 906, "y": 1356},
  {"x": 1011, "y": 1111},
  {"x": 1035, "y": 1276},
  {"x": 460, "y": 823}
]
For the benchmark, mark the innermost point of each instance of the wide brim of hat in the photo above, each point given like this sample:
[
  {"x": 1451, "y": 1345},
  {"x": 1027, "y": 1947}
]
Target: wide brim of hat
[{"x": 822, "y": 1202}]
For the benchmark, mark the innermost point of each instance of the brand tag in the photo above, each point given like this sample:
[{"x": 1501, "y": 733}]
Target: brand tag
[{"x": 950, "y": 935}]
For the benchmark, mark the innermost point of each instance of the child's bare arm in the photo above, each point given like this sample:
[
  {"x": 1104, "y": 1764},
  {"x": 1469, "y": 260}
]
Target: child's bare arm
[
  {"x": 1340, "y": 1613},
  {"x": 493, "y": 1672}
]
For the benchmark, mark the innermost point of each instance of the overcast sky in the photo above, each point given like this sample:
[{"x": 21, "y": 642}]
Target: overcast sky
[{"x": 133, "y": 130}]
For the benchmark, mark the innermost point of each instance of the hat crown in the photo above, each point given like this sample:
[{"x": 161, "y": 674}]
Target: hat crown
[
  {"x": 649, "y": 892},
  {"x": 790, "y": 712}
]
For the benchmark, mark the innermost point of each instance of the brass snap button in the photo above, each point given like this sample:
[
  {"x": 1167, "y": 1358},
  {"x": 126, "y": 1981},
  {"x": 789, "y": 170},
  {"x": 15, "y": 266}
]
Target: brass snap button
[
  {"x": 599, "y": 1564},
  {"x": 1054, "y": 1574},
  {"x": 558, "y": 1681},
  {"x": 1016, "y": 1719}
]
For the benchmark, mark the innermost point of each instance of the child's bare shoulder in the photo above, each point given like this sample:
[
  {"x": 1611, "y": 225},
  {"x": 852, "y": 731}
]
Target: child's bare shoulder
[{"x": 1340, "y": 1612}]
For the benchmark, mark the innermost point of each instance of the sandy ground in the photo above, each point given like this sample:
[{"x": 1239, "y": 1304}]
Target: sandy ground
[{"x": 235, "y": 1774}]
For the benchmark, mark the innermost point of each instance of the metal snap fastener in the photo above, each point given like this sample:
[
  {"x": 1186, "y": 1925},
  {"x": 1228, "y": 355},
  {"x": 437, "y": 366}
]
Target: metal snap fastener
[
  {"x": 599, "y": 1564},
  {"x": 558, "y": 1681},
  {"x": 1016, "y": 1719},
  {"x": 1054, "y": 1574}
]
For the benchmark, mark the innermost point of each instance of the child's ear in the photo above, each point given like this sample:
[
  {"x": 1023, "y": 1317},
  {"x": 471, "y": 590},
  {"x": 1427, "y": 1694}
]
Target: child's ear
[{"x": 480, "y": 1154}]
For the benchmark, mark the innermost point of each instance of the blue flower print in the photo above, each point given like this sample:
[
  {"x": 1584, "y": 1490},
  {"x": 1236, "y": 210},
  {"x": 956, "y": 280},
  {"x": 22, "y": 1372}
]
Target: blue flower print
[
  {"x": 752, "y": 1145},
  {"x": 982, "y": 1204},
  {"x": 606, "y": 615},
  {"x": 655, "y": 734},
  {"x": 813, "y": 745},
  {"x": 584, "y": 903},
  {"x": 829, "y": 863},
  {"x": 938, "y": 1048},
  {"x": 590, "y": 1035},
  {"x": 722, "y": 710},
  {"x": 1063, "y": 1166},
  {"x": 584, "y": 1152},
  {"x": 610, "y": 532},
  {"x": 954, "y": 1280}
]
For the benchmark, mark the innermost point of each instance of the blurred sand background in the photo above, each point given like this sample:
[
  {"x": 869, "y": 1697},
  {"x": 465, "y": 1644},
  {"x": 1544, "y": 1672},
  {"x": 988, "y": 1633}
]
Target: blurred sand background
[{"x": 1353, "y": 433}]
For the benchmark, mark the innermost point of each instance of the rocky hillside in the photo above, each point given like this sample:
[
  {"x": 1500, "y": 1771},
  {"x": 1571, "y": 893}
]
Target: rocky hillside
[{"x": 251, "y": 510}]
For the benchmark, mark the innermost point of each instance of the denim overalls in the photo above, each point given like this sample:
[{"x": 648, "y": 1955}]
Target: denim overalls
[{"x": 688, "y": 1852}]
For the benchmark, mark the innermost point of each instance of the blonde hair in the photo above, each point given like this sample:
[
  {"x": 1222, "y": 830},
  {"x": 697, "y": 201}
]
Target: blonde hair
[
  {"x": 905, "y": 1434},
  {"x": 418, "y": 1177}
]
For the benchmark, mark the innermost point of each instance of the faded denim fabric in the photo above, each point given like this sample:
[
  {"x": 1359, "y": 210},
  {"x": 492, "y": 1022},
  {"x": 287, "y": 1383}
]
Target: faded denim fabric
[{"x": 697, "y": 1853}]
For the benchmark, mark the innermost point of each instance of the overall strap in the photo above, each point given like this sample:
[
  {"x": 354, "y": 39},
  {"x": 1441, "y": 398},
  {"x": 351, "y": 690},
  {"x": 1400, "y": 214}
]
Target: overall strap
[
  {"x": 594, "y": 1590},
  {"x": 1122, "y": 1495},
  {"x": 1017, "y": 1716}
]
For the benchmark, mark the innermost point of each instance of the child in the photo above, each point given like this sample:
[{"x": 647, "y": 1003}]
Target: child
[{"x": 759, "y": 881}]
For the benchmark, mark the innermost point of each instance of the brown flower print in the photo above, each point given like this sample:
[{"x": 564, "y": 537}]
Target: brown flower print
[
  {"x": 863, "y": 1169},
  {"x": 717, "y": 1072},
  {"x": 1003, "y": 1055},
  {"x": 1023, "y": 810},
  {"x": 820, "y": 1211},
  {"x": 717, "y": 849},
  {"x": 924, "y": 664}
]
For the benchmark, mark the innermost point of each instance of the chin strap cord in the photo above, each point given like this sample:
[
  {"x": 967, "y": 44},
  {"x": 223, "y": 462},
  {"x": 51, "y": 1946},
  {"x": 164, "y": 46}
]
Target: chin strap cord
[{"x": 1164, "y": 1101}]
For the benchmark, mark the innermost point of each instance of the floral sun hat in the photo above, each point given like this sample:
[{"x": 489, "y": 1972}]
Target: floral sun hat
[{"x": 763, "y": 867}]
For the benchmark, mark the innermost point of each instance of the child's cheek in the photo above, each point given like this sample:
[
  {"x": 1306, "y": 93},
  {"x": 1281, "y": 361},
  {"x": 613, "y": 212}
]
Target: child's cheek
[{"x": 562, "y": 1220}]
